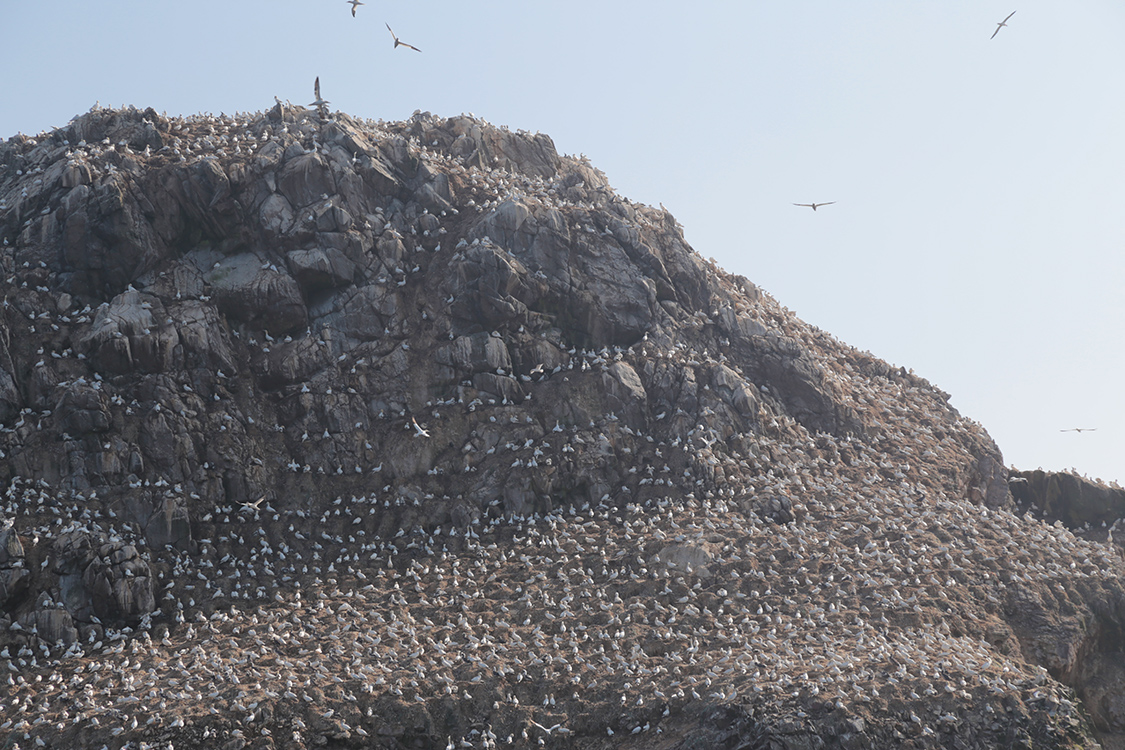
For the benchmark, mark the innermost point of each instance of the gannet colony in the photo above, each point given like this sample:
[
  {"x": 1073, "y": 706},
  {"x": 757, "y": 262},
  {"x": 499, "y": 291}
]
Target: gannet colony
[{"x": 332, "y": 433}]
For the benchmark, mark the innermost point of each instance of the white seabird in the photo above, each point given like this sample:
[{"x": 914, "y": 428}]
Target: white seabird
[
  {"x": 1001, "y": 25},
  {"x": 254, "y": 506},
  {"x": 355, "y": 3},
  {"x": 320, "y": 104},
  {"x": 400, "y": 43},
  {"x": 814, "y": 206}
]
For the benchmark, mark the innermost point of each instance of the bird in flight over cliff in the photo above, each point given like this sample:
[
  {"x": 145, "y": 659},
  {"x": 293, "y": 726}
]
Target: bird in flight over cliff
[
  {"x": 418, "y": 431},
  {"x": 398, "y": 43},
  {"x": 319, "y": 103},
  {"x": 1001, "y": 25},
  {"x": 254, "y": 506},
  {"x": 1080, "y": 429},
  {"x": 355, "y": 3},
  {"x": 814, "y": 206}
]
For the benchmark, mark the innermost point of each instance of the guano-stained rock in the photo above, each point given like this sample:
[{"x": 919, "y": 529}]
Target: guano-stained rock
[{"x": 411, "y": 431}]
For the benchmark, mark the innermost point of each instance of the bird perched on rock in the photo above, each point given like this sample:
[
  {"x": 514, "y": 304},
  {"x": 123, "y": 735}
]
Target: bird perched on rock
[{"x": 399, "y": 42}]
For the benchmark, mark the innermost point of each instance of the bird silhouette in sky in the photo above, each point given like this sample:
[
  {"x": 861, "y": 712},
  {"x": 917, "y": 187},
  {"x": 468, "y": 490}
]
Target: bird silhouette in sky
[
  {"x": 814, "y": 206},
  {"x": 1001, "y": 25},
  {"x": 355, "y": 3},
  {"x": 1079, "y": 429},
  {"x": 399, "y": 42}
]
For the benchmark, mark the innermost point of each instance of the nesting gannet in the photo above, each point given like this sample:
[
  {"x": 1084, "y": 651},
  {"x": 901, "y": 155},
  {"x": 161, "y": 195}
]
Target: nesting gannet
[
  {"x": 1001, "y": 25},
  {"x": 397, "y": 42},
  {"x": 1079, "y": 429},
  {"x": 354, "y": 3},
  {"x": 814, "y": 206}
]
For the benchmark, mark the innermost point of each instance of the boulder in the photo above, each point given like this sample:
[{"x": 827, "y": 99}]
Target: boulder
[
  {"x": 127, "y": 335},
  {"x": 119, "y": 584},
  {"x": 14, "y": 583},
  {"x": 103, "y": 578},
  {"x": 11, "y": 548},
  {"x": 479, "y": 352},
  {"x": 306, "y": 179},
  {"x": 259, "y": 296},
  {"x": 52, "y": 626},
  {"x": 320, "y": 268},
  {"x": 170, "y": 524},
  {"x": 15, "y": 579}
]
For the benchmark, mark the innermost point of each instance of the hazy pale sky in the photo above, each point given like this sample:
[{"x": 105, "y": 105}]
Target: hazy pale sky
[{"x": 978, "y": 235}]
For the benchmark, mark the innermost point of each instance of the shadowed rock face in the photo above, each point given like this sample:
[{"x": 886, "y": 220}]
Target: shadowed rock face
[
  {"x": 1074, "y": 500},
  {"x": 420, "y": 432}
]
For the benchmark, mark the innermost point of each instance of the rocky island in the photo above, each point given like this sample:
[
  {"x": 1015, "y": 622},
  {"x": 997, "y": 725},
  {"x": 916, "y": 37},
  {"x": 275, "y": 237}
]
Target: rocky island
[{"x": 331, "y": 433}]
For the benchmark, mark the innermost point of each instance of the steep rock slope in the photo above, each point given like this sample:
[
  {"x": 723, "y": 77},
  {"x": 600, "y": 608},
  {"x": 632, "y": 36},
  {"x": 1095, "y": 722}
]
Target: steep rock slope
[
  {"x": 352, "y": 433},
  {"x": 1078, "y": 502}
]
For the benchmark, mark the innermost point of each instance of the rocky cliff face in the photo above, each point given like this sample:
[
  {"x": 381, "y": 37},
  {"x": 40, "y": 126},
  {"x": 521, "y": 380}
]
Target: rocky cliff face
[
  {"x": 1076, "y": 501},
  {"x": 346, "y": 433}
]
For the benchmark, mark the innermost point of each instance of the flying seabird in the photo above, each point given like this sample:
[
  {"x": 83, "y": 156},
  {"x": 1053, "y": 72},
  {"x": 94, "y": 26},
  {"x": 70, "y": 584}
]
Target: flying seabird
[
  {"x": 418, "y": 431},
  {"x": 355, "y": 3},
  {"x": 320, "y": 104},
  {"x": 254, "y": 506},
  {"x": 1001, "y": 25},
  {"x": 397, "y": 42},
  {"x": 814, "y": 206},
  {"x": 1080, "y": 429}
]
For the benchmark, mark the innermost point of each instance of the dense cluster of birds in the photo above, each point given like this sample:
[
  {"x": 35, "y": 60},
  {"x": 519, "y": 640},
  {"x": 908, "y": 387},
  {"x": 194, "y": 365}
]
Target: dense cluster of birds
[
  {"x": 874, "y": 597},
  {"x": 796, "y": 571}
]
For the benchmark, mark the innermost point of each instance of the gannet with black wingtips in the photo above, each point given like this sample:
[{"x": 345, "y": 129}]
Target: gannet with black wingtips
[{"x": 399, "y": 42}]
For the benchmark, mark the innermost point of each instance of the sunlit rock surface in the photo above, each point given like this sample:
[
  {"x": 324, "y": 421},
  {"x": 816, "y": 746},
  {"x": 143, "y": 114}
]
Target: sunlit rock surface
[{"x": 350, "y": 434}]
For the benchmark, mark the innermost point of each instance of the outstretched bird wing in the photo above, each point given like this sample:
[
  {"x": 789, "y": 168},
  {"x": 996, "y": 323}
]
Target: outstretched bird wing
[
  {"x": 1002, "y": 24},
  {"x": 399, "y": 42}
]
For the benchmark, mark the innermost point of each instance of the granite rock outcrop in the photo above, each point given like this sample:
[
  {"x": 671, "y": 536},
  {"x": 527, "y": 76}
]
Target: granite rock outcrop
[{"x": 344, "y": 433}]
